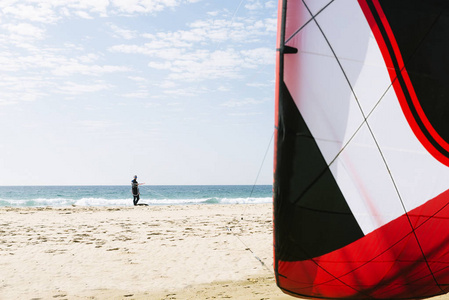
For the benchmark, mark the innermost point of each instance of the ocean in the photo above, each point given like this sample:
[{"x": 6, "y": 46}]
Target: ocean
[{"x": 119, "y": 195}]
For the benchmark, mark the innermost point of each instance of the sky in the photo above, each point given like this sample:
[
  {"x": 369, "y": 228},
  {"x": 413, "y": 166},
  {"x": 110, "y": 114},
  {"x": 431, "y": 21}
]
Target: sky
[{"x": 178, "y": 92}]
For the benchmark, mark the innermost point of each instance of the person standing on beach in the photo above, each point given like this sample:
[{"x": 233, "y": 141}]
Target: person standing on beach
[{"x": 135, "y": 190}]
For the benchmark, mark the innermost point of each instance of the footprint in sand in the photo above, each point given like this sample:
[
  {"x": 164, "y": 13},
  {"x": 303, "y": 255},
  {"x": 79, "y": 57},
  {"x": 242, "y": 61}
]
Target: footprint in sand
[{"x": 59, "y": 296}]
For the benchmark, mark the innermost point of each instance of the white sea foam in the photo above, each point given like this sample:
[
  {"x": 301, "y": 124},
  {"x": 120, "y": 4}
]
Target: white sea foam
[
  {"x": 103, "y": 202},
  {"x": 128, "y": 202}
]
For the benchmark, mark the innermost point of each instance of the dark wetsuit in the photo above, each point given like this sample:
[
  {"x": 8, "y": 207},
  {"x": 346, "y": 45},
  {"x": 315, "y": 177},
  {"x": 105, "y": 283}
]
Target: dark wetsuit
[{"x": 135, "y": 190}]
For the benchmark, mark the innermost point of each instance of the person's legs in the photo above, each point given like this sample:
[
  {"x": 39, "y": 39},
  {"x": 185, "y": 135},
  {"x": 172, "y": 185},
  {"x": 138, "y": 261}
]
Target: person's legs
[{"x": 136, "y": 199}]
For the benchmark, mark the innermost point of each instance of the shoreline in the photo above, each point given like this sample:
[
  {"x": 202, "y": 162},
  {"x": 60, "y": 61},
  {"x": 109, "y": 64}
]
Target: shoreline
[{"x": 65, "y": 196}]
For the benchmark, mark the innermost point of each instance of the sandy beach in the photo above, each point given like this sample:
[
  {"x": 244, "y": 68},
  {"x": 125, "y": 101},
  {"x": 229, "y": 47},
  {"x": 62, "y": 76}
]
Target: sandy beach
[{"x": 144, "y": 252}]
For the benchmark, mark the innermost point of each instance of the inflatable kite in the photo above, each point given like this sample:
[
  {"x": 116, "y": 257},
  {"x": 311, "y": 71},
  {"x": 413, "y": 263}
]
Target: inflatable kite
[{"x": 361, "y": 188}]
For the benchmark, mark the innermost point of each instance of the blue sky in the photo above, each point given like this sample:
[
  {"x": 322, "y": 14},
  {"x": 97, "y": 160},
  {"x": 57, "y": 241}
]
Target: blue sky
[{"x": 175, "y": 91}]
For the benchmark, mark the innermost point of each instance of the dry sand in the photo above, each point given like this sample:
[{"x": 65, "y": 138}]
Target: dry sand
[{"x": 154, "y": 252}]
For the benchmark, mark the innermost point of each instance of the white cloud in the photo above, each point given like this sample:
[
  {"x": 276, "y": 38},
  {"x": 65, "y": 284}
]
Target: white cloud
[
  {"x": 52, "y": 11},
  {"x": 202, "y": 32},
  {"x": 259, "y": 56},
  {"x": 218, "y": 64},
  {"x": 42, "y": 12},
  {"x": 244, "y": 114},
  {"x": 96, "y": 6},
  {"x": 213, "y": 13},
  {"x": 11, "y": 98},
  {"x": 137, "y": 78},
  {"x": 71, "y": 67},
  {"x": 82, "y": 14},
  {"x": 181, "y": 38},
  {"x": 143, "y": 6},
  {"x": 22, "y": 35},
  {"x": 188, "y": 56},
  {"x": 25, "y": 29},
  {"x": 160, "y": 66},
  {"x": 259, "y": 84},
  {"x": 270, "y": 4},
  {"x": 202, "y": 64},
  {"x": 182, "y": 92},
  {"x": 49, "y": 61},
  {"x": 140, "y": 82},
  {"x": 240, "y": 103},
  {"x": 16, "y": 89},
  {"x": 271, "y": 25},
  {"x": 7, "y": 62},
  {"x": 222, "y": 88},
  {"x": 73, "y": 88},
  {"x": 254, "y": 5},
  {"x": 75, "y": 47},
  {"x": 123, "y": 33},
  {"x": 137, "y": 94},
  {"x": 167, "y": 84}
]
